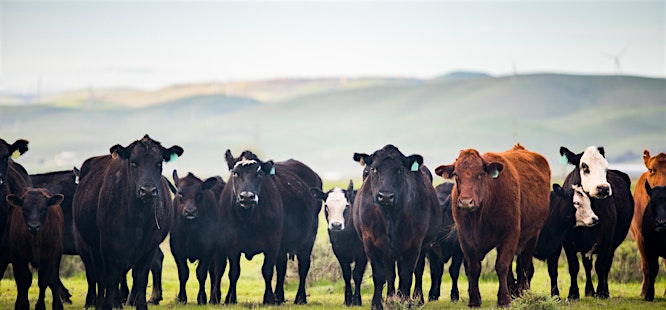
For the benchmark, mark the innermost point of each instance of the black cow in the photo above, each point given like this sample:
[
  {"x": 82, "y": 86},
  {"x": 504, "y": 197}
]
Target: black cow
[
  {"x": 654, "y": 234},
  {"x": 267, "y": 207},
  {"x": 611, "y": 199},
  {"x": 346, "y": 244},
  {"x": 194, "y": 235},
  {"x": 13, "y": 180},
  {"x": 35, "y": 233},
  {"x": 396, "y": 213},
  {"x": 122, "y": 211},
  {"x": 446, "y": 247}
]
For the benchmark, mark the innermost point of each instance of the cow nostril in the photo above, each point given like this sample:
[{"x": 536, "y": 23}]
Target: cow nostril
[
  {"x": 595, "y": 221},
  {"x": 336, "y": 226},
  {"x": 148, "y": 191}
]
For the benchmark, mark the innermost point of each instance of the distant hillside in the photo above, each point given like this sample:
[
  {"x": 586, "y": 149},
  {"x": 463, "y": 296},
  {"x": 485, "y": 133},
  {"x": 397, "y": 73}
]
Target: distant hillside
[{"x": 323, "y": 125}]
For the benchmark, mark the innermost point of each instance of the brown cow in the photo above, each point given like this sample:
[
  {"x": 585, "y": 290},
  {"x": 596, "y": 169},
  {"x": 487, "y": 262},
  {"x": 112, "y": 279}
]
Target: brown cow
[
  {"x": 35, "y": 234},
  {"x": 501, "y": 202},
  {"x": 655, "y": 176}
]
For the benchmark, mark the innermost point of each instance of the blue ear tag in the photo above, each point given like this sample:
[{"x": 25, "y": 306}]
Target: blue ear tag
[
  {"x": 495, "y": 174},
  {"x": 272, "y": 171},
  {"x": 16, "y": 154},
  {"x": 173, "y": 157},
  {"x": 564, "y": 160},
  {"x": 415, "y": 166}
]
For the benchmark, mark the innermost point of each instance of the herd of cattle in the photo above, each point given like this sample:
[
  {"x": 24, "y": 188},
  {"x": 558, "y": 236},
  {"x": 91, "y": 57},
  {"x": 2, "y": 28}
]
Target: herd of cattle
[{"x": 116, "y": 210}]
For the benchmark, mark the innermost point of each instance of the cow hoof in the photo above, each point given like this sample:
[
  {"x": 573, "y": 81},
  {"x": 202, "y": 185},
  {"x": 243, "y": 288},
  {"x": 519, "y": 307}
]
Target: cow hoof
[
  {"x": 455, "y": 296},
  {"x": 432, "y": 297},
  {"x": 604, "y": 295},
  {"x": 40, "y": 305}
]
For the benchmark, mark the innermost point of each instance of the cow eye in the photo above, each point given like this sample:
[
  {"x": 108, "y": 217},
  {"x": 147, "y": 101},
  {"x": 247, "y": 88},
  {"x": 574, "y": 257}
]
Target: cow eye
[
  {"x": 576, "y": 204},
  {"x": 373, "y": 170},
  {"x": 482, "y": 174},
  {"x": 326, "y": 208},
  {"x": 652, "y": 171},
  {"x": 235, "y": 174},
  {"x": 260, "y": 173},
  {"x": 133, "y": 164},
  {"x": 159, "y": 165},
  {"x": 585, "y": 168}
]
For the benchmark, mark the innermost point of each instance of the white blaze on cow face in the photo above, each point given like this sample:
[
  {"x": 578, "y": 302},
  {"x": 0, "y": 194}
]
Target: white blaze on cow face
[
  {"x": 593, "y": 168},
  {"x": 336, "y": 204},
  {"x": 244, "y": 162},
  {"x": 585, "y": 217}
]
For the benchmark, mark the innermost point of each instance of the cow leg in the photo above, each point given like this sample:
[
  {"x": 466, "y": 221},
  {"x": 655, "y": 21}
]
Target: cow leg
[
  {"x": 270, "y": 259},
  {"x": 587, "y": 266},
  {"x": 418, "y": 279},
  {"x": 281, "y": 268},
  {"x": 127, "y": 296},
  {"x": 502, "y": 268},
  {"x": 390, "y": 279},
  {"x": 572, "y": 261},
  {"x": 216, "y": 271},
  {"x": 65, "y": 295},
  {"x": 183, "y": 275},
  {"x": 641, "y": 250},
  {"x": 23, "y": 279},
  {"x": 378, "y": 279},
  {"x": 526, "y": 270},
  {"x": 552, "y": 272},
  {"x": 303, "y": 269},
  {"x": 202, "y": 273},
  {"x": 234, "y": 274},
  {"x": 454, "y": 272},
  {"x": 473, "y": 268},
  {"x": 48, "y": 277},
  {"x": 436, "y": 271},
  {"x": 602, "y": 267},
  {"x": 359, "y": 269},
  {"x": 653, "y": 270},
  {"x": 346, "y": 276},
  {"x": 91, "y": 278},
  {"x": 140, "y": 283},
  {"x": 156, "y": 270}
]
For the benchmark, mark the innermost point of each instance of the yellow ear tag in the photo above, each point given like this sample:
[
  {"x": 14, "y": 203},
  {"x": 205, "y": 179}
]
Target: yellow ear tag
[
  {"x": 16, "y": 154},
  {"x": 415, "y": 166}
]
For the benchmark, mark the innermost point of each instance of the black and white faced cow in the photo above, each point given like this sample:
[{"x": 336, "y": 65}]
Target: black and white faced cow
[
  {"x": 346, "y": 244},
  {"x": 654, "y": 234},
  {"x": 612, "y": 201}
]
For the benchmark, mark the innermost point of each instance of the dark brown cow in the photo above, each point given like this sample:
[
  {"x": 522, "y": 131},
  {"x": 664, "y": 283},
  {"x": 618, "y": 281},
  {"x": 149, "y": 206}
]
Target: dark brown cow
[
  {"x": 35, "y": 233},
  {"x": 655, "y": 176},
  {"x": 346, "y": 244},
  {"x": 13, "y": 180},
  {"x": 396, "y": 214},
  {"x": 447, "y": 247},
  {"x": 611, "y": 199},
  {"x": 122, "y": 211},
  {"x": 501, "y": 202},
  {"x": 654, "y": 234},
  {"x": 194, "y": 234}
]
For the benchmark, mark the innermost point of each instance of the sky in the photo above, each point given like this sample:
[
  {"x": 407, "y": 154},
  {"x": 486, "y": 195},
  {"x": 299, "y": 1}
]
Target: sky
[{"x": 57, "y": 45}]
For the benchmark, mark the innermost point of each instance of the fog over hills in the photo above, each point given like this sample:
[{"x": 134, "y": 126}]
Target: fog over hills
[{"x": 322, "y": 122}]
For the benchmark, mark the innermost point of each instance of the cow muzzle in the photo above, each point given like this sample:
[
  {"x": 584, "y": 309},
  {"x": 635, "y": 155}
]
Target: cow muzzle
[
  {"x": 147, "y": 192},
  {"x": 660, "y": 224},
  {"x": 467, "y": 204},
  {"x": 602, "y": 191},
  {"x": 385, "y": 198},
  {"x": 593, "y": 221},
  {"x": 34, "y": 228},
  {"x": 336, "y": 226},
  {"x": 190, "y": 213},
  {"x": 247, "y": 199}
]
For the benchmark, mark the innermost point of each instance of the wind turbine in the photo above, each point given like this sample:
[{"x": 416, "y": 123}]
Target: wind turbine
[{"x": 616, "y": 59}]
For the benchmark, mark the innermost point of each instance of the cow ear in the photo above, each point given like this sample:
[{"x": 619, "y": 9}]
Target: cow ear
[
  {"x": 174, "y": 176},
  {"x": 172, "y": 153},
  {"x": 230, "y": 159},
  {"x": 413, "y": 162},
  {"x": 268, "y": 167},
  {"x": 602, "y": 151},
  {"x": 317, "y": 193},
  {"x": 494, "y": 168},
  {"x": 209, "y": 183},
  {"x": 55, "y": 200},
  {"x": 350, "y": 187},
  {"x": 569, "y": 157},
  {"x": 14, "y": 201},
  {"x": 648, "y": 189},
  {"x": 120, "y": 151},
  {"x": 557, "y": 189},
  {"x": 20, "y": 146},
  {"x": 646, "y": 158},
  {"x": 445, "y": 171},
  {"x": 363, "y": 159}
]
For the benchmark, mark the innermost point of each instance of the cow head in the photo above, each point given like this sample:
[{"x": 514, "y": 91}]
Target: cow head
[
  {"x": 247, "y": 174},
  {"x": 144, "y": 160},
  {"x": 657, "y": 205},
  {"x": 6, "y": 152},
  {"x": 656, "y": 166},
  {"x": 585, "y": 216},
  {"x": 190, "y": 195},
  {"x": 472, "y": 175},
  {"x": 34, "y": 204},
  {"x": 592, "y": 167},
  {"x": 387, "y": 168},
  {"x": 336, "y": 205}
]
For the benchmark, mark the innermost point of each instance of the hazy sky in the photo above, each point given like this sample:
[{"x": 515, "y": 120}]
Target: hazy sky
[{"x": 148, "y": 44}]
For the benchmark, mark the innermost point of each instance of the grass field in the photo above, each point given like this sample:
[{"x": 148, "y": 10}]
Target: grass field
[{"x": 325, "y": 287}]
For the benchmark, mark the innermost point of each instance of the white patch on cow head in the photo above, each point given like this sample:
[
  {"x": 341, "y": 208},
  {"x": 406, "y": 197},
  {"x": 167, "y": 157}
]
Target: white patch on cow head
[
  {"x": 244, "y": 162},
  {"x": 336, "y": 204},
  {"x": 585, "y": 217},
  {"x": 593, "y": 168}
]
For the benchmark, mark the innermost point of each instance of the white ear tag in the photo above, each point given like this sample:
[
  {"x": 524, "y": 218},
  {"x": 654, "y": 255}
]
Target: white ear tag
[
  {"x": 495, "y": 174},
  {"x": 272, "y": 171},
  {"x": 415, "y": 166}
]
